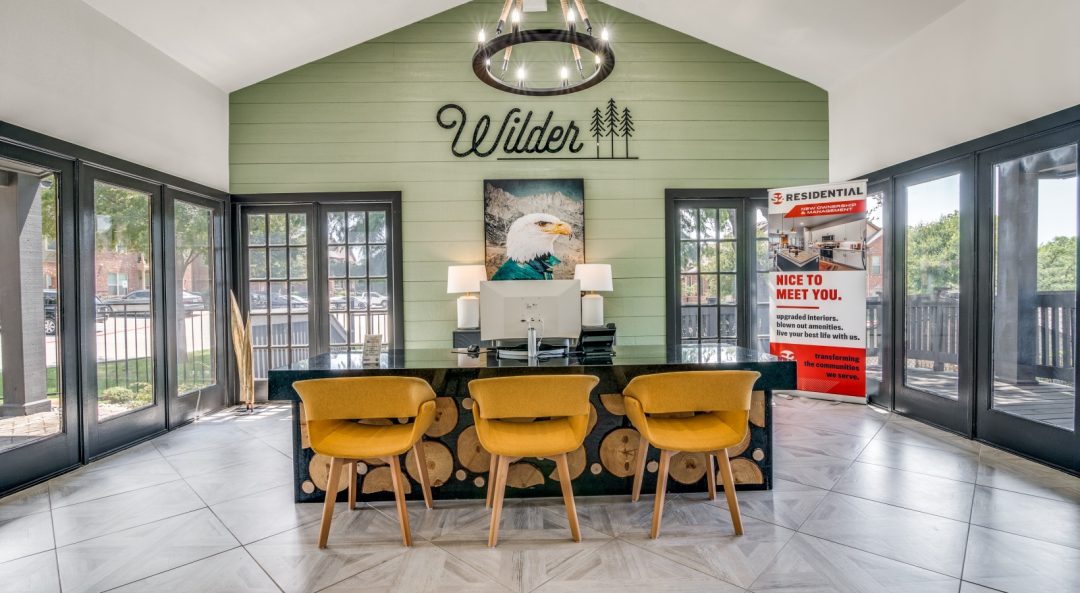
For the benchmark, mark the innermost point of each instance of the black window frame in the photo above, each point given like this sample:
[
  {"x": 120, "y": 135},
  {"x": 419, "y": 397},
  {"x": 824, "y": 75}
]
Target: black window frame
[{"x": 746, "y": 256}]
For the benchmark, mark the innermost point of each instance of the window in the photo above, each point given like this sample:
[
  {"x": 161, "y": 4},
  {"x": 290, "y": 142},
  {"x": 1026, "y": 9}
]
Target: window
[
  {"x": 117, "y": 284},
  {"x": 718, "y": 268},
  {"x": 321, "y": 276},
  {"x": 31, "y": 395},
  {"x": 196, "y": 343},
  {"x": 875, "y": 265},
  {"x": 357, "y": 270}
]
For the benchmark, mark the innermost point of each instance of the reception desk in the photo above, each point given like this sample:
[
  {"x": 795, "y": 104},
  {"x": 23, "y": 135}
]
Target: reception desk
[{"x": 458, "y": 466}]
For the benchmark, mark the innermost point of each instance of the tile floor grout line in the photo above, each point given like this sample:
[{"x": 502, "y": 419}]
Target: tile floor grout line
[
  {"x": 967, "y": 536},
  {"x": 641, "y": 547},
  {"x": 262, "y": 568},
  {"x": 56, "y": 555},
  {"x": 850, "y": 547},
  {"x": 132, "y": 526},
  {"x": 140, "y": 579},
  {"x": 264, "y": 571}
]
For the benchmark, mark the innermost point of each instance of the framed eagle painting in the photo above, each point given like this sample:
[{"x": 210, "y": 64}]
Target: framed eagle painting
[{"x": 534, "y": 229}]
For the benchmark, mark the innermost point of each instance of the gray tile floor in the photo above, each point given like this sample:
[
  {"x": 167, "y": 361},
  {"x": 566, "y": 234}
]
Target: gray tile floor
[{"x": 864, "y": 502}]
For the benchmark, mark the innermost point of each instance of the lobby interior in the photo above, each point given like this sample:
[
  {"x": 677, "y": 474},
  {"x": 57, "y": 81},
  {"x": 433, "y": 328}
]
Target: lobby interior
[{"x": 219, "y": 199}]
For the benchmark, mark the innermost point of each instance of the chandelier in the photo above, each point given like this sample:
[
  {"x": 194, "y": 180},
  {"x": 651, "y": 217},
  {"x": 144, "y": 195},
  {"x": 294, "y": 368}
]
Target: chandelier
[{"x": 492, "y": 68}]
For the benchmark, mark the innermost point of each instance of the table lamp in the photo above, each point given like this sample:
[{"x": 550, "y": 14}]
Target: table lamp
[
  {"x": 593, "y": 277},
  {"x": 466, "y": 279}
]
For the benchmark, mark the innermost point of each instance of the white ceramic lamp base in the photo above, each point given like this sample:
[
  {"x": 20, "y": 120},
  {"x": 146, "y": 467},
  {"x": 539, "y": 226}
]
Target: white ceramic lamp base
[
  {"x": 468, "y": 312},
  {"x": 592, "y": 310}
]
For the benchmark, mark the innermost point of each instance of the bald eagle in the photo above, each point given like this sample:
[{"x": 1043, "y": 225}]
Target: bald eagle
[{"x": 530, "y": 247}]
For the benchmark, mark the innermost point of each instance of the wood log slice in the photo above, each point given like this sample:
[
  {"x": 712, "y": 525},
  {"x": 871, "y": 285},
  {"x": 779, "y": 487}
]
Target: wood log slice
[
  {"x": 613, "y": 403},
  {"x": 576, "y": 462},
  {"x": 688, "y": 468},
  {"x": 746, "y": 471},
  {"x": 743, "y": 444},
  {"x": 319, "y": 471},
  {"x": 305, "y": 438},
  {"x": 618, "y": 450},
  {"x": 379, "y": 480},
  {"x": 757, "y": 408},
  {"x": 523, "y": 475},
  {"x": 446, "y": 417},
  {"x": 471, "y": 454},
  {"x": 440, "y": 463}
]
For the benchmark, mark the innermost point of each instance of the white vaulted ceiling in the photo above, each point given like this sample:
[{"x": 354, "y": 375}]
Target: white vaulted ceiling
[{"x": 235, "y": 43}]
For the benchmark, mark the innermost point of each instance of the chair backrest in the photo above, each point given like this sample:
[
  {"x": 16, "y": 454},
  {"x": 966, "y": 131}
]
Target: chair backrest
[
  {"x": 532, "y": 395},
  {"x": 360, "y": 398},
  {"x": 693, "y": 391}
]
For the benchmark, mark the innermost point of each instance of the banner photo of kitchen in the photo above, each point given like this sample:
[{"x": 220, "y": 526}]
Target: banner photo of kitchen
[{"x": 817, "y": 285}]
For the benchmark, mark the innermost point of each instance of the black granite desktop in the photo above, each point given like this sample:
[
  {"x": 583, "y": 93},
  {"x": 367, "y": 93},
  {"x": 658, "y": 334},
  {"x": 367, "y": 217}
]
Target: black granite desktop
[{"x": 604, "y": 464}]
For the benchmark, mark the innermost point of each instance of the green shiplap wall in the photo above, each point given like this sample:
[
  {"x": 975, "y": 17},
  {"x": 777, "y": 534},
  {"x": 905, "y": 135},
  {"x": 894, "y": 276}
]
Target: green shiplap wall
[{"x": 364, "y": 120}]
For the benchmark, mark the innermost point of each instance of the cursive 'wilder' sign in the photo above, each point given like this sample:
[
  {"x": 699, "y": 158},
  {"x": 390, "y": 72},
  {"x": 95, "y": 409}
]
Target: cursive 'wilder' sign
[{"x": 522, "y": 135}]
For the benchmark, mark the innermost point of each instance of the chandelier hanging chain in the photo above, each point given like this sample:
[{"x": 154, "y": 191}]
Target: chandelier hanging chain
[{"x": 512, "y": 12}]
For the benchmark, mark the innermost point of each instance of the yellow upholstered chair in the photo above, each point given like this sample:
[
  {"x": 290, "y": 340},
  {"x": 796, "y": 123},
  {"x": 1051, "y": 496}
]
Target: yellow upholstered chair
[
  {"x": 561, "y": 402},
  {"x": 694, "y": 411},
  {"x": 333, "y": 408}
]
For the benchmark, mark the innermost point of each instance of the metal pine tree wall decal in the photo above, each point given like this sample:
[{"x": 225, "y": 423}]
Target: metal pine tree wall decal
[
  {"x": 597, "y": 128},
  {"x": 612, "y": 123},
  {"x": 626, "y": 128}
]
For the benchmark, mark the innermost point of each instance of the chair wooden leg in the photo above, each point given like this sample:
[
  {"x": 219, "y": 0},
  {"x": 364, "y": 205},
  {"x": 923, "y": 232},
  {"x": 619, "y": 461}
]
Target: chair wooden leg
[
  {"x": 497, "y": 503},
  {"x": 399, "y": 495},
  {"x": 350, "y": 468},
  {"x": 661, "y": 487},
  {"x": 710, "y": 472},
  {"x": 493, "y": 472},
  {"x": 729, "y": 491},
  {"x": 331, "y": 498},
  {"x": 568, "y": 496},
  {"x": 421, "y": 466},
  {"x": 639, "y": 469}
]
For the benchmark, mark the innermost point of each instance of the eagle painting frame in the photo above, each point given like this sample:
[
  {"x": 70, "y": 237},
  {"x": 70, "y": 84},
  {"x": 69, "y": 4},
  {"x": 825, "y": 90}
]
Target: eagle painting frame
[{"x": 534, "y": 229}]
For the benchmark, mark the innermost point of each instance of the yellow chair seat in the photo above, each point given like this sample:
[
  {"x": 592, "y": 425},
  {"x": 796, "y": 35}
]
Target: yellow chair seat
[
  {"x": 351, "y": 440},
  {"x": 698, "y": 434},
  {"x": 540, "y": 438}
]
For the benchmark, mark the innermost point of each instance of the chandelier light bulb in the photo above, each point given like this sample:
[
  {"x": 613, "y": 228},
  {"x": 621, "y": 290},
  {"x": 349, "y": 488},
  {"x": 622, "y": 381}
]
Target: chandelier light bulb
[
  {"x": 570, "y": 16},
  {"x": 564, "y": 74},
  {"x": 604, "y": 34},
  {"x": 481, "y": 37},
  {"x": 598, "y": 59},
  {"x": 521, "y": 73},
  {"x": 515, "y": 17}
]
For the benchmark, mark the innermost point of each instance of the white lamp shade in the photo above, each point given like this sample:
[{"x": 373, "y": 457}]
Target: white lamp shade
[
  {"x": 465, "y": 278},
  {"x": 594, "y": 276}
]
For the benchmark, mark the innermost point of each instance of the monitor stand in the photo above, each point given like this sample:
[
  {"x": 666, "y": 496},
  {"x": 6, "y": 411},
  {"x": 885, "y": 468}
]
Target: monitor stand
[{"x": 519, "y": 350}]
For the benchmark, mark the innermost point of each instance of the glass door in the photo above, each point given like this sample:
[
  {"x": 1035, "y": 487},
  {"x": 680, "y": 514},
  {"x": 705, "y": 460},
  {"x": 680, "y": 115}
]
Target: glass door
[
  {"x": 195, "y": 295},
  {"x": 933, "y": 292},
  {"x": 39, "y": 430},
  {"x": 359, "y": 291},
  {"x": 708, "y": 264},
  {"x": 276, "y": 275},
  {"x": 719, "y": 272},
  {"x": 122, "y": 273},
  {"x": 1027, "y": 392}
]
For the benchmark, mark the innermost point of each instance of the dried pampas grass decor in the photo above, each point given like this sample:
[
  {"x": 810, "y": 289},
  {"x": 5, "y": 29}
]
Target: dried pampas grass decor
[{"x": 241, "y": 339}]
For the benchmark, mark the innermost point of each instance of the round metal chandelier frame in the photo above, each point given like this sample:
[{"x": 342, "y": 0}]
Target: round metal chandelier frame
[{"x": 599, "y": 46}]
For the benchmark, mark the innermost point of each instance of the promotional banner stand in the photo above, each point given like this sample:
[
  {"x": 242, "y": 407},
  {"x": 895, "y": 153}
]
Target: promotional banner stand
[{"x": 817, "y": 286}]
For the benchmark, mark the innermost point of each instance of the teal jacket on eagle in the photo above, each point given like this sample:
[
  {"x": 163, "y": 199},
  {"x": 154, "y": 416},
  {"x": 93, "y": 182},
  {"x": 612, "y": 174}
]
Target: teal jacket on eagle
[{"x": 530, "y": 247}]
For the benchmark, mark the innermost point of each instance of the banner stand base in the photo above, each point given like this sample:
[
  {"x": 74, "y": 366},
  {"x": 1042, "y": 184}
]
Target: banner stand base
[{"x": 850, "y": 399}]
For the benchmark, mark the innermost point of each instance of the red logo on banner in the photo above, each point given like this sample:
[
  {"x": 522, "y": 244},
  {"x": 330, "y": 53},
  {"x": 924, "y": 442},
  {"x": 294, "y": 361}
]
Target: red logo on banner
[{"x": 777, "y": 198}]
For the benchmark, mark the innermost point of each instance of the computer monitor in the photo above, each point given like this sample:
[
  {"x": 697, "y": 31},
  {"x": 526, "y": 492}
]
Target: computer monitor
[{"x": 507, "y": 307}]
